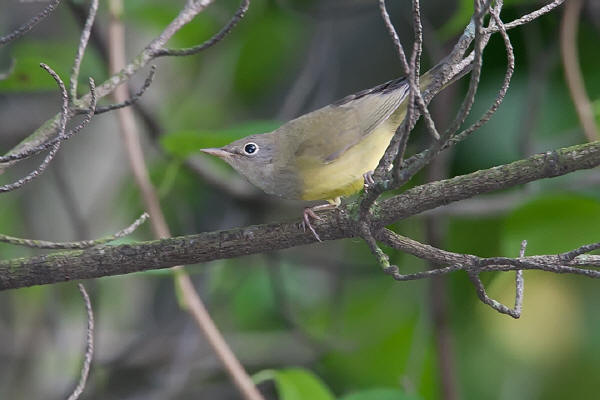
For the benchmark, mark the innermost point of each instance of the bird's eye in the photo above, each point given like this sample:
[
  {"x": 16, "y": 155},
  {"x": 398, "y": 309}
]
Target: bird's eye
[{"x": 250, "y": 148}]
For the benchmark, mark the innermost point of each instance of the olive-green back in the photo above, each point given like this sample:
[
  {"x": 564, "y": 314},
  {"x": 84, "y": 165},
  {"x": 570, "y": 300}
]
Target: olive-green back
[{"x": 324, "y": 135}]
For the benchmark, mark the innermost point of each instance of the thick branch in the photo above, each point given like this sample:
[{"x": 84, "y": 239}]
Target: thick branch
[
  {"x": 539, "y": 166},
  {"x": 203, "y": 247}
]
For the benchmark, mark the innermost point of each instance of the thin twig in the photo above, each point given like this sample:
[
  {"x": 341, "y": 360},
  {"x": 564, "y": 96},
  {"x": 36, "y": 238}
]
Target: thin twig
[
  {"x": 527, "y": 17},
  {"x": 31, "y": 151},
  {"x": 412, "y": 71},
  {"x": 83, "y": 41},
  {"x": 33, "y": 174},
  {"x": 573, "y": 75},
  {"x": 467, "y": 104},
  {"x": 81, "y": 12},
  {"x": 475, "y": 264},
  {"x": 519, "y": 282},
  {"x": 83, "y": 244},
  {"x": 29, "y": 25},
  {"x": 395, "y": 150},
  {"x": 510, "y": 69},
  {"x": 475, "y": 60},
  {"x": 56, "y": 142},
  {"x": 89, "y": 352},
  {"x": 64, "y": 116},
  {"x": 416, "y": 70},
  {"x": 483, "y": 296},
  {"x": 571, "y": 255},
  {"x": 519, "y": 288},
  {"x": 237, "y": 17},
  {"x": 397, "y": 146},
  {"x": 133, "y": 99},
  {"x": 131, "y": 138},
  {"x": 49, "y": 129},
  {"x": 393, "y": 271}
]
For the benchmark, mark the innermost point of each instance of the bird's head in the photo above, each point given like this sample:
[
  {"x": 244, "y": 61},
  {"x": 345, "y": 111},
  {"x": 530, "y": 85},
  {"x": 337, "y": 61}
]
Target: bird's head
[{"x": 251, "y": 156}]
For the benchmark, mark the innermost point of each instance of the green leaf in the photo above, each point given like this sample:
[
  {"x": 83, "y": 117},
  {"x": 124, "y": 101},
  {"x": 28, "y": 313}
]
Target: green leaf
[
  {"x": 380, "y": 394},
  {"x": 552, "y": 224},
  {"x": 185, "y": 143},
  {"x": 296, "y": 384},
  {"x": 478, "y": 236},
  {"x": 369, "y": 343},
  {"x": 28, "y": 76}
]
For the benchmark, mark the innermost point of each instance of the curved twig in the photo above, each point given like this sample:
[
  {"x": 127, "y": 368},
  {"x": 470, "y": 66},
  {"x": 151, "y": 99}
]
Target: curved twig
[
  {"x": 527, "y": 17},
  {"x": 83, "y": 244},
  {"x": 66, "y": 136},
  {"x": 573, "y": 76},
  {"x": 64, "y": 117},
  {"x": 133, "y": 99},
  {"x": 239, "y": 14},
  {"x": 29, "y": 25},
  {"x": 59, "y": 139},
  {"x": 89, "y": 352},
  {"x": 83, "y": 41},
  {"x": 47, "y": 130},
  {"x": 510, "y": 69}
]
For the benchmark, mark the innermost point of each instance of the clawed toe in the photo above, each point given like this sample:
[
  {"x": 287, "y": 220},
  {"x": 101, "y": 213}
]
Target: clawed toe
[
  {"x": 308, "y": 214},
  {"x": 369, "y": 181}
]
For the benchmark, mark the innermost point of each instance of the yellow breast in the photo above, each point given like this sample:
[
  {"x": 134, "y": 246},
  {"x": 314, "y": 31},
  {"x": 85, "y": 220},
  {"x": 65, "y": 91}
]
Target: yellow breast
[{"x": 344, "y": 175}]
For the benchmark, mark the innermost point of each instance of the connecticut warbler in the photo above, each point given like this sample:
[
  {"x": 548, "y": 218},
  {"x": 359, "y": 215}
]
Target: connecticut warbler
[{"x": 324, "y": 154}]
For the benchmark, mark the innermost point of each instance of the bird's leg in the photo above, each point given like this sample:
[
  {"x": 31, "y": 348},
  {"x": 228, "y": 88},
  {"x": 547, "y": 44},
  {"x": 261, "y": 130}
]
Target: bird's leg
[
  {"x": 369, "y": 181},
  {"x": 310, "y": 213}
]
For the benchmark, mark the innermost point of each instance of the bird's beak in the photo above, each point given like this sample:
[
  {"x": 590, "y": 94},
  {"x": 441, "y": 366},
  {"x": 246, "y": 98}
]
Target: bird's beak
[{"x": 216, "y": 152}]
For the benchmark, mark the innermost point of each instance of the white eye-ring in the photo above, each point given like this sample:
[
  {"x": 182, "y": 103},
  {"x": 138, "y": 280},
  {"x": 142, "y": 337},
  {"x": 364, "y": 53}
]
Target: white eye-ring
[{"x": 250, "y": 148}]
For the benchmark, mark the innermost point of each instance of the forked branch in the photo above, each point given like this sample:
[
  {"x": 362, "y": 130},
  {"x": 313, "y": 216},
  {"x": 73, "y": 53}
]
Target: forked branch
[{"x": 402, "y": 171}]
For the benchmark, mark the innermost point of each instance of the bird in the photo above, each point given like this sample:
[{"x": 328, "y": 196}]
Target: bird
[{"x": 325, "y": 154}]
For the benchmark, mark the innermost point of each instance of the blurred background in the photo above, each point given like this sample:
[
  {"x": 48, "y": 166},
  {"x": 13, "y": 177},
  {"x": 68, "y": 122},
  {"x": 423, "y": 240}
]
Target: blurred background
[{"x": 326, "y": 309}]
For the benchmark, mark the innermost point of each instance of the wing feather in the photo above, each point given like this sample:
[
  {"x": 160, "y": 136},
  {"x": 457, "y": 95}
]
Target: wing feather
[{"x": 322, "y": 136}]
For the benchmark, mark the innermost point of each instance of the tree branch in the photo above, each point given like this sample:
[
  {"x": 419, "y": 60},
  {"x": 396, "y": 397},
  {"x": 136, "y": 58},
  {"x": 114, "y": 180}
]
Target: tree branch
[
  {"x": 29, "y": 25},
  {"x": 131, "y": 138},
  {"x": 539, "y": 166},
  {"x": 203, "y": 247},
  {"x": 573, "y": 75},
  {"x": 89, "y": 341},
  {"x": 83, "y": 41},
  {"x": 48, "y": 130},
  {"x": 83, "y": 244}
]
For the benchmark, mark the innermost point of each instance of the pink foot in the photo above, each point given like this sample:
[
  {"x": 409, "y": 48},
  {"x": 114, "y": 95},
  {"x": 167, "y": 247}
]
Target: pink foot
[{"x": 306, "y": 217}]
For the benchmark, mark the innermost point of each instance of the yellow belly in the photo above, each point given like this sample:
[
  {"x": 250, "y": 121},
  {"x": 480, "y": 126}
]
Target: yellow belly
[{"x": 344, "y": 176}]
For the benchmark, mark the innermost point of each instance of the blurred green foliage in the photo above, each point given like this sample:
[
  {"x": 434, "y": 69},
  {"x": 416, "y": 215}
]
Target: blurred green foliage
[
  {"x": 27, "y": 75},
  {"x": 296, "y": 384},
  {"x": 183, "y": 144}
]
